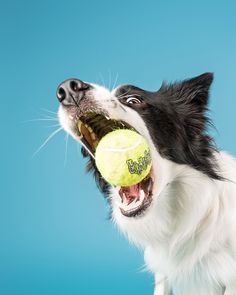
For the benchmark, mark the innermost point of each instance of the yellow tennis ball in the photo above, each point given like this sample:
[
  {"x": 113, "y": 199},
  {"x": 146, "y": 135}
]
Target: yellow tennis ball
[{"x": 123, "y": 157}]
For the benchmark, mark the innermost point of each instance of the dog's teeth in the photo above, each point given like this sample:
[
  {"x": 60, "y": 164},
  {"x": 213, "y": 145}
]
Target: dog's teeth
[
  {"x": 79, "y": 124},
  {"x": 88, "y": 128},
  {"x": 142, "y": 195},
  {"x": 107, "y": 117},
  {"x": 93, "y": 136}
]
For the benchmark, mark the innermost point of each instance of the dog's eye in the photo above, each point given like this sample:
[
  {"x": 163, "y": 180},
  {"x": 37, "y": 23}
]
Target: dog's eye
[{"x": 133, "y": 100}]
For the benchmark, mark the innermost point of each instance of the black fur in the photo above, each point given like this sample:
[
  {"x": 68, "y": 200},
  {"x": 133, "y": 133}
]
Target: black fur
[
  {"x": 91, "y": 167},
  {"x": 176, "y": 119}
]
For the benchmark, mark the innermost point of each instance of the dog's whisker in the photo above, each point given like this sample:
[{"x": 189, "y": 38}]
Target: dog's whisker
[
  {"x": 78, "y": 148},
  {"x": 47, "y": 140},
  {"x": 50, "y": 126},
  {"x": 129, "y": 95},
  {"x": 50, "y": 117},
  {"x": 142, "y": 268},
  {"x": 48, "y": 111},
  {"x": 109, "y": 83},
  {"x": 40, "y": 119},
  {"x": 114, "y": 84},
  {"x": 66, "y": 148},
  {"x": 102, "y": 79},
  {"x": 124, "y": 95},
  {"x": 83, "y": 145}
]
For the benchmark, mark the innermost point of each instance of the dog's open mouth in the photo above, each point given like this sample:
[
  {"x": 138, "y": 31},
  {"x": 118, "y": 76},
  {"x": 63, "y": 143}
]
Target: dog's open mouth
[{"x": 91, "y": 127}]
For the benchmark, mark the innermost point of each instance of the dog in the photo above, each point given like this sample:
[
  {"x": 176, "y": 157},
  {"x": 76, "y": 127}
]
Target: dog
[{"x": 183, "y": 214}]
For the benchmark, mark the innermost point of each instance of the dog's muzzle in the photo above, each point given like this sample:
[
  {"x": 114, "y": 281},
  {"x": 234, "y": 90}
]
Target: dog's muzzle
[{"x": 89, "y": 123}]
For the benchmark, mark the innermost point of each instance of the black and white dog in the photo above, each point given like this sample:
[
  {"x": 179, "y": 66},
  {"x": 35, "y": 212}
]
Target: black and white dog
[{"x": 184, "y": 213}]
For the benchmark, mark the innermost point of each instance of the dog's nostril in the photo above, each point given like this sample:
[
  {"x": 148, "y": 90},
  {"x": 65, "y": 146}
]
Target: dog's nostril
[
  {"x": 74, "y": 86},
  {"x": 61, "y": 94},
  {"x": 77, "y": 86}
]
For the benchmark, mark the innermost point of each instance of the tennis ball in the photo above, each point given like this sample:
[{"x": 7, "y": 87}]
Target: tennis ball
[{"x": 123, "y": 157}]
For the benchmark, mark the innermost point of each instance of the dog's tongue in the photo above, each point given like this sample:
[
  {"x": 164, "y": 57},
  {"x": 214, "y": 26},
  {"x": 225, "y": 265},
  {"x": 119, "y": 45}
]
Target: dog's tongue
[
  {"x": 132, "y": 190},
  {"x": 129, "y": 193},
  {"x": 131, "y": 196}
]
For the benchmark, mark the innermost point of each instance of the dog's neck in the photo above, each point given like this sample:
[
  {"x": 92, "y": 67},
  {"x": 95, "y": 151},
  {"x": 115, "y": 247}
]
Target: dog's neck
[{"x": 181, "y": 217}]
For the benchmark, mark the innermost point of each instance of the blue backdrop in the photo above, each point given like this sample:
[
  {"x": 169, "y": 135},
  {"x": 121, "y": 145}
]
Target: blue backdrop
[{"x": 55, "y": 236}]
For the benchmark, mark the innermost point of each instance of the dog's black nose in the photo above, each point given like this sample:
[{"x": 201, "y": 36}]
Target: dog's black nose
[{"x": 71, "y": 91}]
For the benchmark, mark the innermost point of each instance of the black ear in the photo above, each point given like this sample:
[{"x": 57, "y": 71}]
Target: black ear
[
  {"x": 180, "y": 124},
  {"x": 194, "y": 91}
]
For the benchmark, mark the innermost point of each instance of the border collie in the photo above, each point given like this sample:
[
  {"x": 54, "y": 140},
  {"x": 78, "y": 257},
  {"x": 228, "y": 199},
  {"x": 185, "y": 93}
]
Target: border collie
[{"x": 183, "y": 214}]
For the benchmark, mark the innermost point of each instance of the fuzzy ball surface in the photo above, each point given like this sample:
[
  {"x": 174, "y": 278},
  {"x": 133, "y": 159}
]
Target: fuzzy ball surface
[{"x": 123, "y": 157}]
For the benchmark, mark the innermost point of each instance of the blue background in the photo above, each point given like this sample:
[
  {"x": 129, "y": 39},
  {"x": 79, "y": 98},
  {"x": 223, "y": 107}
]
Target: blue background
[{"x": 55, "y": 236}]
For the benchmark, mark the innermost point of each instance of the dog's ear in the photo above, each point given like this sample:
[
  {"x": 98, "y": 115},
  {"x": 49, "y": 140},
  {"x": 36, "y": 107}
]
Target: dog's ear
[
  {"x": 182, "y": 123},
  {"x": 194, "y": 91}
]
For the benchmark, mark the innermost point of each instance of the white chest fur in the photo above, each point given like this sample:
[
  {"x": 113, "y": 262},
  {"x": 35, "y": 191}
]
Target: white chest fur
[{"x": 188, "y": 233}]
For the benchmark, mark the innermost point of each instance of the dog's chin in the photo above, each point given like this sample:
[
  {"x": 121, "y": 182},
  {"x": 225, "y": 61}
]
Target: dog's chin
[
  {"x": 89, "y": 129},
  {"x": 135, "y": 199}
]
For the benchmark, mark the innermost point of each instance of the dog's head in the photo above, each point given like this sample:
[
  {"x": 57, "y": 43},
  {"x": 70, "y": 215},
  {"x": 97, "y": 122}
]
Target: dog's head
[{"x": 173, "y": 121}]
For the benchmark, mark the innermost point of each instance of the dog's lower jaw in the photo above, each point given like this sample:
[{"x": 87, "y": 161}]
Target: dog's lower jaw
[
  {"x": 187, "y": 233},
  {"x": 137, "y": 227}
]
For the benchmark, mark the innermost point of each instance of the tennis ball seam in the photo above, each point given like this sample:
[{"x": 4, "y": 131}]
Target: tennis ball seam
[{"x": 123, "y": 150}]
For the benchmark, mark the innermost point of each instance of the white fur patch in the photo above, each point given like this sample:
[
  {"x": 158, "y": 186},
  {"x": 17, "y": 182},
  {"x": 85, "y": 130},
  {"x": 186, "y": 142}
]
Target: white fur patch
[{"x": 189, "y": 232}]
